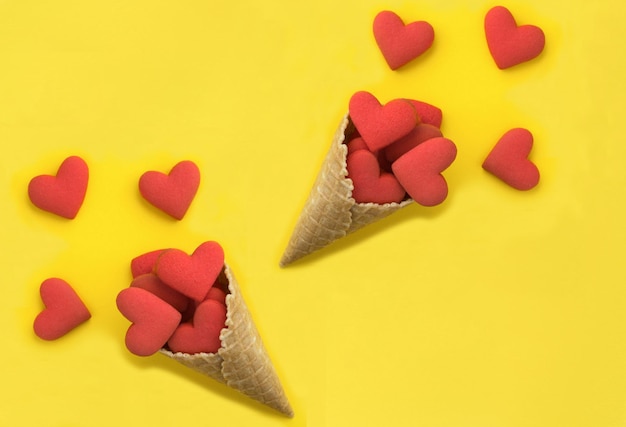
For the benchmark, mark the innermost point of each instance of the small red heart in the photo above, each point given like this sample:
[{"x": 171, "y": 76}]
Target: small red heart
[
  {"x": 192, "y": 275},
  {"x": 153, "y": 320},
  {"x": 144, "y": 263},
  {"x": 419, "y": 170},
  {"x": 381, "y": 125},
  {"x": 370, "y": 184},
  {"x": 421, "y": 133},
  {"x": 400, "y": 43},
  {"x": 64, "y": 310},
  {"x": 508, "y": 43},
  {"x": 508, "y": 160},
  {"x": 173, "y": 192},
  {"x": 64, "y": 193},
  {"x": 203, "y": 334},
  {"x": 152, "y": 283}
]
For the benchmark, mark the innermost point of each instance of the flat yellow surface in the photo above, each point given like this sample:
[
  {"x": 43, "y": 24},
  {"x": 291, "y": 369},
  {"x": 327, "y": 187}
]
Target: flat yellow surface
[{"x": 496, "y": 308}]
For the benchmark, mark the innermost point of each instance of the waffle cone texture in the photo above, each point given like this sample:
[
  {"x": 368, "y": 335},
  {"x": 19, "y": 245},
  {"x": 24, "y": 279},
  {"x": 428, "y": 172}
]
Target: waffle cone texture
[
  {"x": 330, "y": 212},
  {"x": 242, "y": 362}
]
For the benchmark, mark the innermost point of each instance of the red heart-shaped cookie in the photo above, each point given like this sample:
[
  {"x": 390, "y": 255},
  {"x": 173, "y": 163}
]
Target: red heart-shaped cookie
[
  {"x": 64, "y": 193},
  {"x": 400, "y": 43},
  {"x": 217, "y": 294},
  {"x": 370, "y": 184},
  {"x": 419, "y": 170},
  {"x": 64, "y": 310},
  {"x": 203, "y": 334},
  {"x": 428, "y": 114},
  {"x": 192, "y": 275},
  {"x": 150, "y": 282},
  {"x": 153, "y": 320},
  {"x": 422, "y": 132},
  {"x": 173, "y": 192},
  {"x": 508, "y": 43},
  {"x": 380, "y": 125},
  {"x": 508, "y": 160},
  {"x": 356, "y": 144},
  {"x": 144, "y": 263}
]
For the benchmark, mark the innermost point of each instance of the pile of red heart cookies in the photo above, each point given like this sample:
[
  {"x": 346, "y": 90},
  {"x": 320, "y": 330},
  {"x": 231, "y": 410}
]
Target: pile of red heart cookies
[
  {"x": 397, "y": 149},
  {"x": 175, "y": 301}
]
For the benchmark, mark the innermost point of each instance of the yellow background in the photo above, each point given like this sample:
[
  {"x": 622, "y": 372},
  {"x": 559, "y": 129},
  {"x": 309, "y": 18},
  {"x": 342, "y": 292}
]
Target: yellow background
[{"x": 496, "y": 308}]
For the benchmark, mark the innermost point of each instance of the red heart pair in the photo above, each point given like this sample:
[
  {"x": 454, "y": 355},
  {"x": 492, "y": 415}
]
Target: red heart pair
[
  {"x": 508, "y": 160},
  {"x": 61, "y": 194},
  {"x": 64, "y": 310},
  {"x": 172, "y": 193},
  {"x": 178, "y": 285},
  {"x": 508, "y": 43},
  {"x": 156, "y": 323},
  {"x": 416, "y": 172},
  {"x": 191, "y": 275}
]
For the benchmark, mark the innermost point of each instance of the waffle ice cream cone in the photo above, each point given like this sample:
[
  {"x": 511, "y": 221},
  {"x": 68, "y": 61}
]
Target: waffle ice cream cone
[
  {"x": 330, "y": 212},
  {"x": 242, "y": 362}
]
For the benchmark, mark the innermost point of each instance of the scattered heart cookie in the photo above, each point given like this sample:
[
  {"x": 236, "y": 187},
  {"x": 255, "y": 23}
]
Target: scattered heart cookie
[
  {"x": 510, "y": 44},
  {"x": 508, "y": 160},
  {"x": 64, "y": 310},
  {"x": 172, "y": 193},
  {"x": 61, "y": 194},
  {"x": 400, "y": 43}
]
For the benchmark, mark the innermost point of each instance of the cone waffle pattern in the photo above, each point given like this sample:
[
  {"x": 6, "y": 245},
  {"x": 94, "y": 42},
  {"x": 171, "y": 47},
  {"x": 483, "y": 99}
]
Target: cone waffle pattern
[
  {"x": 242, "y": 362},
  {"x": 330, "y": 211}
]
